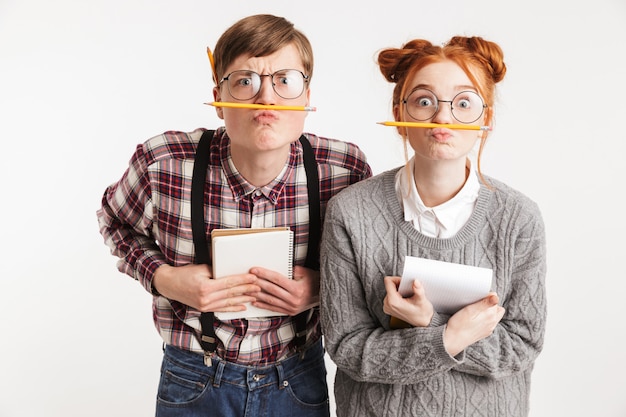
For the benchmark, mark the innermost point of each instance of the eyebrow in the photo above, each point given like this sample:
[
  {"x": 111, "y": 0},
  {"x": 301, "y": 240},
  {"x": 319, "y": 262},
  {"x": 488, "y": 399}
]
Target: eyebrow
[{"x": 457, "y": 87}]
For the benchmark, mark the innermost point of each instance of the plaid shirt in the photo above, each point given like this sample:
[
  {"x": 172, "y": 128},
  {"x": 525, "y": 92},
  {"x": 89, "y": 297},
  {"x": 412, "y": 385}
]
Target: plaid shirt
[{"x": 146, "y": 221}]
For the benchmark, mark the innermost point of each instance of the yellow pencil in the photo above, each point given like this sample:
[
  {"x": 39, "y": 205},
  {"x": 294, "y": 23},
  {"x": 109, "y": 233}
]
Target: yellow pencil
[
  {"x": 259, "y": 106},
  {"x": 212, "y": 61},
  {"x": 435, "y": 125}
]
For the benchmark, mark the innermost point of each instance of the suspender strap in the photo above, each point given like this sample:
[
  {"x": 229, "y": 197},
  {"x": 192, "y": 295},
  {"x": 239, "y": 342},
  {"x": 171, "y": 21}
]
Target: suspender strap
[
  {"x": 198, "y": 181},
  {"x": 315, "y": 230},
  {"x": 315, "y": 217},
  {"x": 208, "y": 340}
]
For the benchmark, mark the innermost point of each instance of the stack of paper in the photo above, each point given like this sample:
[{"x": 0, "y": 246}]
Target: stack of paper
[{"x": 448, "y": 286}]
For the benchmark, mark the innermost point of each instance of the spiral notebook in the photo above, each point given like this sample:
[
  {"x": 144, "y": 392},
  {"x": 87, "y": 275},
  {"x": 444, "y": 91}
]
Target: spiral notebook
[{"x": 235, "y": 251}]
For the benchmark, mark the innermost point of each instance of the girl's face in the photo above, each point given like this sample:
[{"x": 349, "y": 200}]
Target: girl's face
[{"x": 446, "y": 80}]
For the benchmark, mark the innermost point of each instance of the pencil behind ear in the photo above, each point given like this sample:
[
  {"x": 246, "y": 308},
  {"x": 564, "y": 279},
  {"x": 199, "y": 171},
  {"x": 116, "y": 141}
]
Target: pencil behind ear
[{"x": 212, "y": 61}]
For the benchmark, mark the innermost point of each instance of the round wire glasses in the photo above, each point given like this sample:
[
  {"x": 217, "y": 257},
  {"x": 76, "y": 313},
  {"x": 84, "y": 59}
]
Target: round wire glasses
[
  {"x": 287, "y": 83},
  {"x": 423, "y": 104}
]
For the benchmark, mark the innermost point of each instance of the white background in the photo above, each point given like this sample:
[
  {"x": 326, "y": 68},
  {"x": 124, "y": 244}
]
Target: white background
[{"x": 83, "y": 82}]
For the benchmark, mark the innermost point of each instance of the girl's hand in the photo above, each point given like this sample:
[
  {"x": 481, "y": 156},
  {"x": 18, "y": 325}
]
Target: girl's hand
[{"x": 415, "y": 310}]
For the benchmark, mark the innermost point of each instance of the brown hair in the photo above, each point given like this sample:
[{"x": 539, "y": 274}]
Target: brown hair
[
  {"x": 480, "y": 59},
  {"x": 260, "y": 35}
]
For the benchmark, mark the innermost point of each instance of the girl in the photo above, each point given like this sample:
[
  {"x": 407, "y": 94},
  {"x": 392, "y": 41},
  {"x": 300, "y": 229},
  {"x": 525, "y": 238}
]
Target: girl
[{"x": 477, "y": 361}]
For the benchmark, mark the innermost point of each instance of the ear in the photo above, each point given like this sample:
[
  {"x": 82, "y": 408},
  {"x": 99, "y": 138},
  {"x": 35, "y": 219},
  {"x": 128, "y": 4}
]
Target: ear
[
  {"x": 308, "y": 101},
  {"x": 396, "y": 112},
  {"x": 402, "y": 131},
  {"x": 488, "y": 117},
  {"x": 218, "y": 97}
]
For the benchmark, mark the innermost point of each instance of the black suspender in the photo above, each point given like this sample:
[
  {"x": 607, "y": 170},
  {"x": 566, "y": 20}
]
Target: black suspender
[
  {"x": 315, "y": 231},
  {"x": 197, "y": 198},
  {"x": 315, "y": 218},
  {"x": 208, "y": 340}
]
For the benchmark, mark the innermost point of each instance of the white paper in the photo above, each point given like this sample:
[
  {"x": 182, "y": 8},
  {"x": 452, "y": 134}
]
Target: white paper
[{"x": 448, "y": 286}]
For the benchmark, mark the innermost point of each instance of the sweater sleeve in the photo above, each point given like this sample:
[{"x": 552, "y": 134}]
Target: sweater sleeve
[
  {"x": 125, "y": 222},
  {"x": 520, "y": 283},
  {"x": 356, "y": 332}
]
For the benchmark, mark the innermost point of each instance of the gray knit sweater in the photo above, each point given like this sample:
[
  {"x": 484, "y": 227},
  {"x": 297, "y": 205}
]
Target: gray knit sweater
[{"x": 407, "y": 372}]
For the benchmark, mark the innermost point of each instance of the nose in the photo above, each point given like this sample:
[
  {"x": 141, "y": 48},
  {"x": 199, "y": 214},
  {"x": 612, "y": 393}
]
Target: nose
[
  {"x": 266, "y": 93},
  {"x": 444, "y": 112}
]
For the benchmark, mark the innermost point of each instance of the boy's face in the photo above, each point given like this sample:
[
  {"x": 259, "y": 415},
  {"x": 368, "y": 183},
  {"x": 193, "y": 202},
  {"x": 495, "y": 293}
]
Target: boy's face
[{"x": 263, "y": 130}]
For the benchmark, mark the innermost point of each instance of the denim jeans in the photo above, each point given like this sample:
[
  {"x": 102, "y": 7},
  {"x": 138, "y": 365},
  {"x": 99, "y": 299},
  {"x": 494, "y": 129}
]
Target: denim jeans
[{"x": 291, "y": 387}]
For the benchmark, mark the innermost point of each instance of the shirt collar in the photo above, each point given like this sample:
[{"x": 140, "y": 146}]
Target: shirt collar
[
  {"x": 446, "y": 214},
  {"x": 241, "y": 188}
]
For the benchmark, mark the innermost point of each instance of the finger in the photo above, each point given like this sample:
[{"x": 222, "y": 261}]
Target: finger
[
  {"x": 396, "y": 280},
  {"x": 270, "y": 276},
  {"x": 391, "y": 286},
  {"x": 283, "y": 307},
  {"x": 276, "y": 284},
  {"x": 418, "y": 289},
  {"x": 228, "y": 304},
  {"x": 386, "y": 306},
  {"x": 272, "y": 307},
  {"x": 236, "y": 303},
  {"x": 268, "y": 289},
  {"x": 491, "y": 299},
  {"x": 230, "y": 293},
  {"x": 272, "y": 303},
  {"x": 232, "y": 281},
  {"x": 300, "y": 272},
  {"x": 275, "y": 301}
]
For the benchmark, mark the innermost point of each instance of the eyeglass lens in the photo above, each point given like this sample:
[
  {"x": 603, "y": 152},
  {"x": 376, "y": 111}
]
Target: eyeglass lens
[
  {"x": 244, "y": 85},
  {"x": 466, "y": 106}
]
